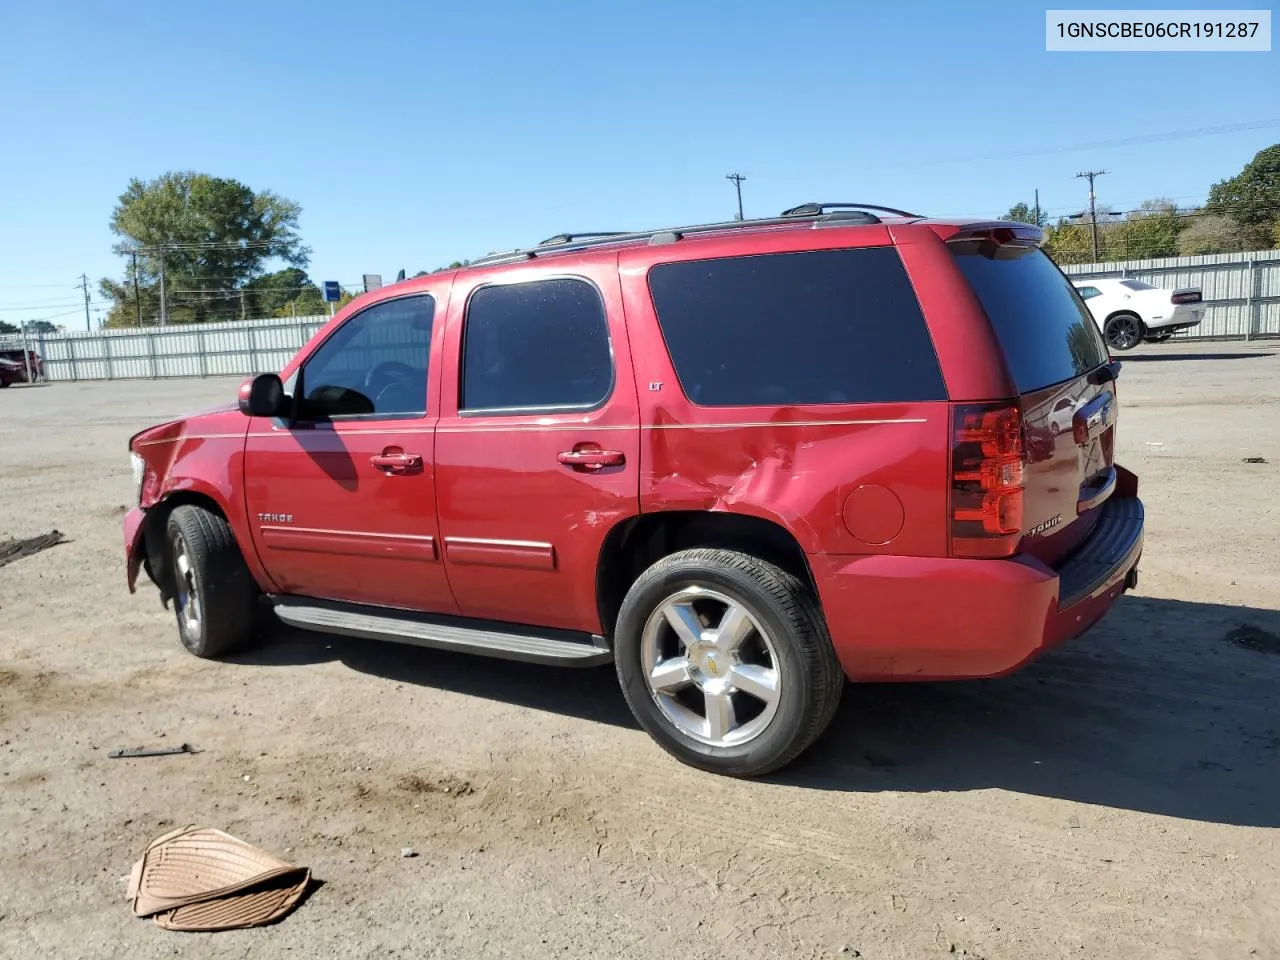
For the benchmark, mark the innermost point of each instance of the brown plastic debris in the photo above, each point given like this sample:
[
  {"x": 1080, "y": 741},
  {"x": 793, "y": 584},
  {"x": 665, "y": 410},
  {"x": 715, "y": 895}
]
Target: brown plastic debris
[{"x": 198, "y": 878}]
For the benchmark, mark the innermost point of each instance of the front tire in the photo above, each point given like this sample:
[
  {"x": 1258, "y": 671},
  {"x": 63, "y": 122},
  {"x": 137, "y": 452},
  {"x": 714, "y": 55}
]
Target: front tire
[
  {"x": 1124, "y": 331},
  {"x": 214, "y": 596},
  {"x": 726, "y": 662}
]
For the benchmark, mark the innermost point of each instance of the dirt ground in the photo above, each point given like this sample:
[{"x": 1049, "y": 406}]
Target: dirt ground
[{"x": 1120, "y": 799}]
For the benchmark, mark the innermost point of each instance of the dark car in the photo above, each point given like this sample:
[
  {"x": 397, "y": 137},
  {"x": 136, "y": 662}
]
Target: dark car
[
  {"x": 24, "y": 360},
  {"x": 11, "y": 372}
]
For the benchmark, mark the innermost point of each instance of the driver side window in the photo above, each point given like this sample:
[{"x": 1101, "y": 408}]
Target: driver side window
[{"x": 373, "y": 367}]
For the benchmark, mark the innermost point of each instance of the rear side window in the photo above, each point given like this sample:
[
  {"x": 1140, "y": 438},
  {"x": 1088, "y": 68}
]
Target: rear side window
[
  {"x": 1043, "y": 326},
  {"x": 537, "y": 345},
  {"x": 827, "y": 326}
]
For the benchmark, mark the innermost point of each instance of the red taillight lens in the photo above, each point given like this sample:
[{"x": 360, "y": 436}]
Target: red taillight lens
[
  {"x": 1189, "y": 296},
  {"x": 988, "y": 459}
]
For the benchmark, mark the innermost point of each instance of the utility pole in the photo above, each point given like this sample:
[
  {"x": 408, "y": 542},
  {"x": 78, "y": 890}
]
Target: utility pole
[
  {"x": 1093, "y": 212},
  {"x": 242, "y": 303},
  {"x": 1037, "y": 213},
  {"x": 137, "y": 300},
  {"x": 84, "y": 285},
  {"x": 164, "y": 307},
  {"x": 737, "y": 179}
]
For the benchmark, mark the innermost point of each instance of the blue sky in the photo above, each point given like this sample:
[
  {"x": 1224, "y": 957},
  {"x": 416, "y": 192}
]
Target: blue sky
[{"x": 413, "y": 134}]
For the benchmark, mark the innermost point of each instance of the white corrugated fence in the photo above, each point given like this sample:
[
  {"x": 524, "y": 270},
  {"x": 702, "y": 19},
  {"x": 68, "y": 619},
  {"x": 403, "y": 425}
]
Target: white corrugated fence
[{"x": 1241, "y": 291}]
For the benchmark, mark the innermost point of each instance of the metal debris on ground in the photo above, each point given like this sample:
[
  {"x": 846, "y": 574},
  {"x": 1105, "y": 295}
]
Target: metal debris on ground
[
  {"x": 1253, "y": 459},
  {"x": 130, "y": 752},
  {"x": 11, "y": 550}
]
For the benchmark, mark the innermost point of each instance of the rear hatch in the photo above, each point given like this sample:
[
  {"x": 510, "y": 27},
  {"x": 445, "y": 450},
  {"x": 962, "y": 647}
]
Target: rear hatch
[{"x": 1057, "y": 469}]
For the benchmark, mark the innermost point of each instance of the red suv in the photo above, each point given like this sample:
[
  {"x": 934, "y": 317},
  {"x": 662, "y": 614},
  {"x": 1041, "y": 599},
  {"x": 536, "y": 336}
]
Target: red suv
[{"x": 743, "y": 461}]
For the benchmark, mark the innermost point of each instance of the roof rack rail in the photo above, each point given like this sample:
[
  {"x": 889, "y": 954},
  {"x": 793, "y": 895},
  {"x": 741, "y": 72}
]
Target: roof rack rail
[
  {"x": 574, "y": 237},
  {"x": 564, "y": 242},
  {"x": 818, "y": 209}
]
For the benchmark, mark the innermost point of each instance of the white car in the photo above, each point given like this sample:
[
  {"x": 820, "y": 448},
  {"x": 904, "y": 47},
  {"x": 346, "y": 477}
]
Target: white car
[{"x": 1130, "y": 311}]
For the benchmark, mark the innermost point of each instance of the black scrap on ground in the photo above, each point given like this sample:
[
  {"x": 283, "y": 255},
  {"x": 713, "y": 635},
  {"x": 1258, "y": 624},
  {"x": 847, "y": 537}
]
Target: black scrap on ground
[
  {"x": 11, "y": 550},
  {"x": 1254, "y": 638}
]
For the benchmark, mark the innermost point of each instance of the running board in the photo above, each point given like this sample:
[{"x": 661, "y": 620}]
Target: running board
[{"x": 506, "y": 641}]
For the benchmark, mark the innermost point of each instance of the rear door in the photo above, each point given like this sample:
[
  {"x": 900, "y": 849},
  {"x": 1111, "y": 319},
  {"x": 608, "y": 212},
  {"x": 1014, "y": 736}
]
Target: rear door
[
  {"x": 1059, "y": 365},
  {"x": 537, "y": 448}
]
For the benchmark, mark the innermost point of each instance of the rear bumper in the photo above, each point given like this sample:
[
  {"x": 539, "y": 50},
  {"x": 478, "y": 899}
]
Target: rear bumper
[
  {"x": 941, "y": 618},
  {"x": 1178, "y": 321}
]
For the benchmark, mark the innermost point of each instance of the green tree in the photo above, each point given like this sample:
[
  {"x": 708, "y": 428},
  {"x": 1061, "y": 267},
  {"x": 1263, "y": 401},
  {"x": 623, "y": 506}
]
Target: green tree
[
  {"x": 36, "y": 327},
  {"x": 1209, "y": 233},
  {"x": 1150, "y": 231},
  {"x": 9, "y": 328},
  {"x": 1252, "y": 199},
  {"x": 1070, "y": 242},
  {"x": 270, "y": 295},
  {"x": 1023, "y": 213},
  {"x": 215, "y": 236}
]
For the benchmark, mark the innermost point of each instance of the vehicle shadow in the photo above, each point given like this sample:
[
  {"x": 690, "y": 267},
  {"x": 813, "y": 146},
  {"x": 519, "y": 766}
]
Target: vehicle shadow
[
  {"x": 1144, "y": 357},
  {"x": 586, "y": 693},
  {"x": 1167, "y": 707}
]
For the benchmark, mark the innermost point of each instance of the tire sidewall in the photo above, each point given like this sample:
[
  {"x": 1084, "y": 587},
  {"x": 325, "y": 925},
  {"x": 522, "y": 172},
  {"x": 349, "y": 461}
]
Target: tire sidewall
[
  {"x": 194, "y": 643},
  {"x": 794, "y": 704}
]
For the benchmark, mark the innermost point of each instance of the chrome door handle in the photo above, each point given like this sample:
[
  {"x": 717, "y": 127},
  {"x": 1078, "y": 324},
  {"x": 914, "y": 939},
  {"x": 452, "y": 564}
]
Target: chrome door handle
[
  {"x": 396, "y": 462},
  {"x": 592, "y": 459}
]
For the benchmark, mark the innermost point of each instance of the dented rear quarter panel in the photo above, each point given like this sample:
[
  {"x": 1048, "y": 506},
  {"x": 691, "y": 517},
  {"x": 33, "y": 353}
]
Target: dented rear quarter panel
[{"x": 803, "y": 467}]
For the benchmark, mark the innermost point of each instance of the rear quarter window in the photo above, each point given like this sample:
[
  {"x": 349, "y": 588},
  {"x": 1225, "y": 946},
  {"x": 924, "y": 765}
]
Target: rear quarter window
[
  {"x": 818, "y": 327},
  {"x": 1046, "y": 332}
]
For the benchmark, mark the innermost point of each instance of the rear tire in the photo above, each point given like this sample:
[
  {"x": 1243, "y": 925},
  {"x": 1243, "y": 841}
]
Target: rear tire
[
  {"x": 726, "y": 662},
  {"x": 215, "y": 598},
  {"x": 1123, "y": 331}
]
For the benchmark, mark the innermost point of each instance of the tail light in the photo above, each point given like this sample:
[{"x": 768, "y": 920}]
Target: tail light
[
  {"x": 1187, "y": 296},
  {"x": 988, "y": 460}
]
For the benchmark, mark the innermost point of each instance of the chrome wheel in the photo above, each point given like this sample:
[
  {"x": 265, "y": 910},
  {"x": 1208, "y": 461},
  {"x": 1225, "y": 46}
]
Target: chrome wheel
[
  {"x": 187, "y": 597},
  {"x": 1124, "y": 332},
  {"x": 711, "y": 667}
]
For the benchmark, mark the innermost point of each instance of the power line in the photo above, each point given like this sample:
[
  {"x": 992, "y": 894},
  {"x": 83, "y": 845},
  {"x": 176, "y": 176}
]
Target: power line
[{"x": 1093, "y": 145}]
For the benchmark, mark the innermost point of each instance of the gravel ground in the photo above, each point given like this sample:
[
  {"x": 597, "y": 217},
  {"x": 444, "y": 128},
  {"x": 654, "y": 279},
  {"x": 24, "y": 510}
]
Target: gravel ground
[{"x": 1121, "y": 798}]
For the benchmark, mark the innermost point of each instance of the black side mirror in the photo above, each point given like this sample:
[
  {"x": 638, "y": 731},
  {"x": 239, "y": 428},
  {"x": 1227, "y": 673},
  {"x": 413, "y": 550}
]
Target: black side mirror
[{"x": 263, "y": 396}]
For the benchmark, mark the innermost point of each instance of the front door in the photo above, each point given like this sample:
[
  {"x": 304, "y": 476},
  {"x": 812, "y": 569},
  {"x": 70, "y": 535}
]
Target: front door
[
  {"x": 342, "y": 501},
  {"x": 538, "y": 442}
]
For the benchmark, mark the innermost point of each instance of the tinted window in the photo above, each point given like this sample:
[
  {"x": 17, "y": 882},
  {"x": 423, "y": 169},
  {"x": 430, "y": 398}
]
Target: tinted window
[
  {"x": 538, "y": 344},
  {"x": 1088, "y": 293},
  {"x": 374, "y": 365},
  {"x": 830, "y": 326},
  {"x": 1044, "y": 328},
  {"x": 1136, "y": 285}
]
